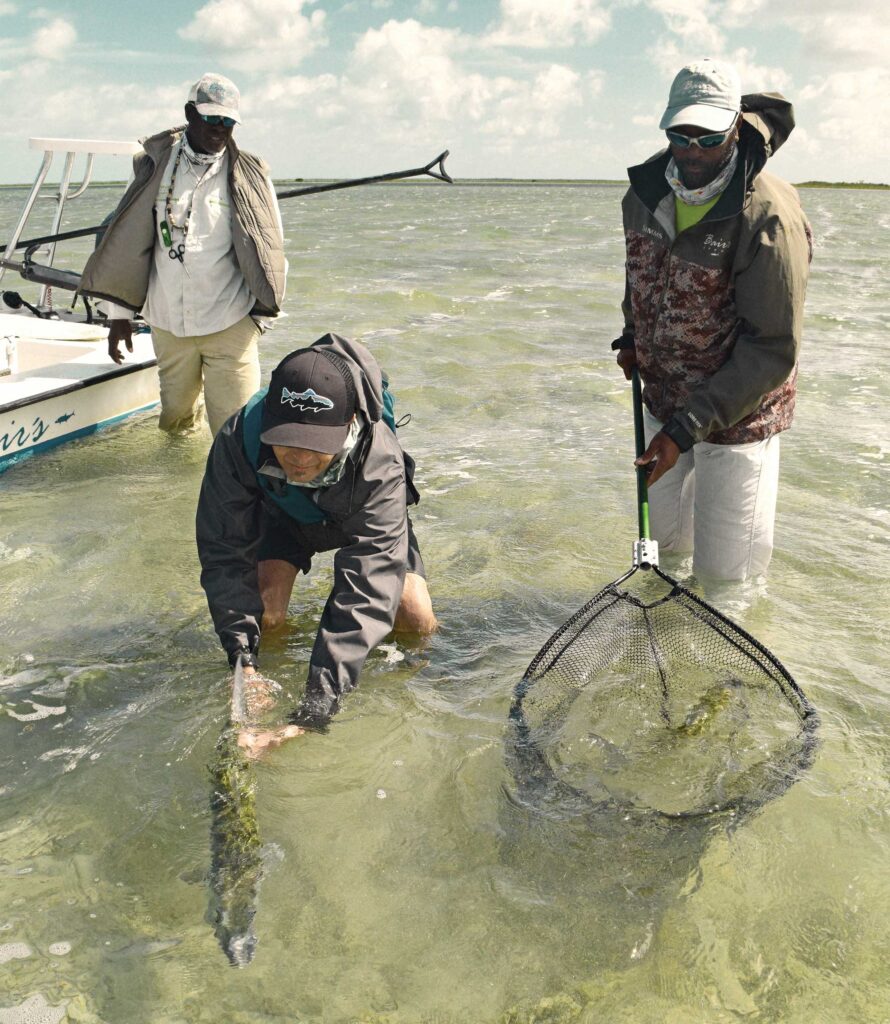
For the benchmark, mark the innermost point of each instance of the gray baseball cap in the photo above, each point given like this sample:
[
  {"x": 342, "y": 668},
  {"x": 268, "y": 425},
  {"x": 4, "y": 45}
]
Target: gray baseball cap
[
  {"x": 705, "y": 93},
  {"x": 216, "y": 94}
]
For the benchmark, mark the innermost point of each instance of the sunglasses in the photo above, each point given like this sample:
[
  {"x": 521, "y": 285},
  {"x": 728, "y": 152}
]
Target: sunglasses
[
  {"x": 704, "y": 141},
  {"x": 214, "y": 120}
]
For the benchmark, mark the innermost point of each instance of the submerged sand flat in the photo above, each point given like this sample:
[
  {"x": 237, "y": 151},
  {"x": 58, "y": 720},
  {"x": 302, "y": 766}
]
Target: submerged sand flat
[{"x": 492, "y": 310}]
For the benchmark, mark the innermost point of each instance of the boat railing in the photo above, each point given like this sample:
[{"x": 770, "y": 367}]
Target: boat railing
[{"x": 90, "y": 148}]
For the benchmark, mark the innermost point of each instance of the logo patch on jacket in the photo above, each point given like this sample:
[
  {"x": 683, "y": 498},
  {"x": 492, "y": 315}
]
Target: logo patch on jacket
[
  {"x": 715, "y": 246},
  {"x": 307, "y": 401}
]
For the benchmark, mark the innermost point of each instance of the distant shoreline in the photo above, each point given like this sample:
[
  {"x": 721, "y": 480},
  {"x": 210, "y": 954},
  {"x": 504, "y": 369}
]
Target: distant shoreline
[
  {"x": 500, "y": 182},
  {"x": 842, "y": 184}
]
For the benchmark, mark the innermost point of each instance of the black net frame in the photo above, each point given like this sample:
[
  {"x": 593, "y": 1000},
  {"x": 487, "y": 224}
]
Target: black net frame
[{"x": 574, "y": 657}]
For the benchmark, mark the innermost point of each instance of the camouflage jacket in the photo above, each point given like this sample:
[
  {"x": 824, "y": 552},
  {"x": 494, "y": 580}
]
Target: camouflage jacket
[{"x": 715, "y": 313}]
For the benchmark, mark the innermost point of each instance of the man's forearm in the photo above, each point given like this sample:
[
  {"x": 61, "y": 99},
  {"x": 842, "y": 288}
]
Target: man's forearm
[
  {"x": 238, "y": 631},
  {"x": 756, "y": 367}
]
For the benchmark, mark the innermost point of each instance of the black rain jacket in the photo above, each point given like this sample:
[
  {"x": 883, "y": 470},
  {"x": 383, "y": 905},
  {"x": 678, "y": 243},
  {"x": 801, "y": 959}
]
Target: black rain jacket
[{"x": 366, "y": 508}]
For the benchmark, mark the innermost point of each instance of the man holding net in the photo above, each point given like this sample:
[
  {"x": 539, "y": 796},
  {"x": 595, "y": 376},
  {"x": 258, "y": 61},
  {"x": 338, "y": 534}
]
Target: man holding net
[{"x": 718, "y": 254}]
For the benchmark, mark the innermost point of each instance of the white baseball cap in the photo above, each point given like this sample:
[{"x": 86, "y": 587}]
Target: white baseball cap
[
  {"x": 216, "y": 94},
  {"x": 705, "y": 93}
]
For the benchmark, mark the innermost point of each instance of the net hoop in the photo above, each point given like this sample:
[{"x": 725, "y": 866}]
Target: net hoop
[{"x": 792, "y": 766}]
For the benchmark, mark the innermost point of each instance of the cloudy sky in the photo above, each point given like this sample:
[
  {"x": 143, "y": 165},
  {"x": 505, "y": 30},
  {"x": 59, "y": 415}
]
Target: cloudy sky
[{"x": 514, "y": 88}]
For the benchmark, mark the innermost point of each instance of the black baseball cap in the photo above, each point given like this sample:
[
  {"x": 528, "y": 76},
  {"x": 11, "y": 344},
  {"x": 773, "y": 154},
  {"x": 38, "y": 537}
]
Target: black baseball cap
[{"x": 310, "y": 402}]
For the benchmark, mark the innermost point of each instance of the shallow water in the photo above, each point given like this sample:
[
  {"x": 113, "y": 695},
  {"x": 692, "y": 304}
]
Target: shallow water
[{"x": 411, "y": 887}]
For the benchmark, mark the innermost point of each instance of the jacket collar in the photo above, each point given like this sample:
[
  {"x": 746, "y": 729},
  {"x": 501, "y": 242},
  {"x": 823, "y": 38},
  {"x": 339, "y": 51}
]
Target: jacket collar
[
  {"x": 648, "y": 182},
  {"x": 158, "y": 146},
  {"x": 767, "y": 121}
]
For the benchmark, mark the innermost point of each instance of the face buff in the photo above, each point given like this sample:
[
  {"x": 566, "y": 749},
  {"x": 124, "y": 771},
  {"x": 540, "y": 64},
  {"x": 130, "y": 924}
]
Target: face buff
[
  {"x": 338, "y": 464},
  {"x": 699, "y": 196},
  {"x": 198, "y": 158}
]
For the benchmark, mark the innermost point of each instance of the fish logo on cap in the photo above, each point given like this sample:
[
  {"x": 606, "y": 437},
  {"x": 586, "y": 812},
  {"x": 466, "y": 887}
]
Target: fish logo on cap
[{"x": 306, "y": 401}]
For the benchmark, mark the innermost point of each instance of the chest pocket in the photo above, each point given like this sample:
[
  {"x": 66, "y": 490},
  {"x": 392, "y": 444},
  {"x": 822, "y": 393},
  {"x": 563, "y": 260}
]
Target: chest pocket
[{"x": 211, "y": 222}]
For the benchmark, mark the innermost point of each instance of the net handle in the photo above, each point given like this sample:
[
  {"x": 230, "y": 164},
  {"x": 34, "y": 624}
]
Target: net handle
[{"x": 640, "y": 439}]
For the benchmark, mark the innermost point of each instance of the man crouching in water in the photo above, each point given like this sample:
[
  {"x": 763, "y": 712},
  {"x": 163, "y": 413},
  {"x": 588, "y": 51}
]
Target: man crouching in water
[{"x": 312, "y": 464}]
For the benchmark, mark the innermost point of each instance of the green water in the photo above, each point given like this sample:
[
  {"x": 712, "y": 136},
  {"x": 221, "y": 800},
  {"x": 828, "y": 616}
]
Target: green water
[{"x": 409, "y": 887}]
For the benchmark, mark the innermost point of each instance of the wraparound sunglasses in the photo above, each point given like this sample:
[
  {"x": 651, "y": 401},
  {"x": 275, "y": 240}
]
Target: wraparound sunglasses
[
  {"x": 218, "y": 119},
  {"x": 704, "y": 141}
]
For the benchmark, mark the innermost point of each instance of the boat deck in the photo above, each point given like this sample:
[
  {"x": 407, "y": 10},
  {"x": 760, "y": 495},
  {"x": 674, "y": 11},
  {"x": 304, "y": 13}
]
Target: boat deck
[
  {"x": 48, "y": 368},
  {"x": 66, "y": 385}
]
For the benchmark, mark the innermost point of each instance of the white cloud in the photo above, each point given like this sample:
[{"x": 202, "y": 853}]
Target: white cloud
[
  {"x": 694, "y": 22},
  {"x": 7, "y": 8},
  {"x": 513, "y": 109},
  {"x": 743, "y": 12},
  {"x": 757, "y": 77},
  {"x": 258, "y": 35},
  {"x": 845, "y": 104},
  {"x": 403, "y": 87},
  {"x": 405, "y": 69},
  {"x": 407, "y": 87},
  {"x": 40, "y": 102},
  {"x": 53, "y": 40},
  {"x": 407, "y": 74},
  {"x": 297, "y": 92},
  {"x": 849, "y": 35},
  {"x": 668, "y": 58},
  {"x": 840, "y": 102},
  {"x": 851, "y": 44},
  {"x": 543, "y": 23},
  {"x": 830, "y": 29}
]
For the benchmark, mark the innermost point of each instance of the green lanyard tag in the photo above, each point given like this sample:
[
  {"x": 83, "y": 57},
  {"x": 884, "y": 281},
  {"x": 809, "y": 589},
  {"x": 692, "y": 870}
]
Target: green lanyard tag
[{"x": 165, "y": 234}]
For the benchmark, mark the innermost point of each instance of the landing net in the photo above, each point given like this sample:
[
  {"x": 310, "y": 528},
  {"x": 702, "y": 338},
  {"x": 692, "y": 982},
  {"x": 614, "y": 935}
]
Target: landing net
[{"x": 659, "y": 703}]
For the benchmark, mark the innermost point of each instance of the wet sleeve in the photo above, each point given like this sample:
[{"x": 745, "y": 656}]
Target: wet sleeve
[
  {"x": 369, "y": 575},
  {"x": 227, "y": 528}
]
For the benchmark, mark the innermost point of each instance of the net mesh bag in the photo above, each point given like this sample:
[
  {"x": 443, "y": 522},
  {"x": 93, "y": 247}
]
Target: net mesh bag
[{"x": 657, "y": 703}]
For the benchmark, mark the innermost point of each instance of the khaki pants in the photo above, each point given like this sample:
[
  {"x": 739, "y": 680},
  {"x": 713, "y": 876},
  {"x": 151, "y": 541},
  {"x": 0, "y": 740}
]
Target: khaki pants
[{"x": 226, "y": 364}]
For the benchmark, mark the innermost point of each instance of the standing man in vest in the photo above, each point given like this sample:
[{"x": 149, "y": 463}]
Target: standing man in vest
[
  {"x": 197, "y": 245},
  {"x": 718, "y": 256},
  {"x": 313, "y": 464}
]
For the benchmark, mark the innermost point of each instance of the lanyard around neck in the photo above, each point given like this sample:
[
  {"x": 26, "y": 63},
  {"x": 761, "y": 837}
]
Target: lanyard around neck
[{"x": 169, "y": 220}]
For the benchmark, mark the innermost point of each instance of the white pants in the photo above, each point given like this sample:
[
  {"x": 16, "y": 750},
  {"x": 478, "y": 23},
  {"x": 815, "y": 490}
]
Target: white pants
[
  {"x": 225, "y": 364},
  {"x": 719, "y": 502}
]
